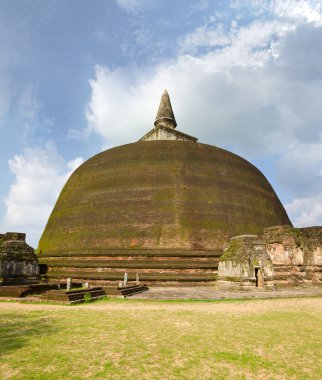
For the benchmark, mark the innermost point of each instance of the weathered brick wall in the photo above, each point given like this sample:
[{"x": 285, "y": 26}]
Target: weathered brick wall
[
  {"x": 295, "y": 252},
  {"x": 294, "y": 246},
  {"x": 245, "y": 254},
  {"x": 18, "y": 261}
]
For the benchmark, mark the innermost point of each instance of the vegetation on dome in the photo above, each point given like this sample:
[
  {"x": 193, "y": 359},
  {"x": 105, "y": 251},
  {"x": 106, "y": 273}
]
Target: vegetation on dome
[
  {"x": 156, "y": 200},
  {"x": 161, "y": 195}
]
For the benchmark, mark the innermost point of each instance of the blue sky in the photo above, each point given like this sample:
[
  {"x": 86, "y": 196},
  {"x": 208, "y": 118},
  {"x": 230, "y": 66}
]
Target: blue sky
[{"x": 78, "y": 77}]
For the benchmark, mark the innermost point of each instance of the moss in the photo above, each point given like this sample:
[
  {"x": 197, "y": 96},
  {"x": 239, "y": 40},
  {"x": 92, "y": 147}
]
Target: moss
[
  {"x": 232, "y": 279},
  {"x": 176, "y": 194},
  {"x": 255, "y": 261},
  {"x": 231, "y": 252},
  {"x": 240, "y": 250}
]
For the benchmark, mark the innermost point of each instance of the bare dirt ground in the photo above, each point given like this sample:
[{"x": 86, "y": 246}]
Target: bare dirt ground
[{"x": 235, "y": 307}]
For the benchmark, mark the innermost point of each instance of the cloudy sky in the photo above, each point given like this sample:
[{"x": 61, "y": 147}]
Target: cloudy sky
[{"x": 79, "y": 76}]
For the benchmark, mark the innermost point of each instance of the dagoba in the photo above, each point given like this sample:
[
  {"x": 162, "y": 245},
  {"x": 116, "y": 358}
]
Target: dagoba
[{"x": 164, "y": 207}]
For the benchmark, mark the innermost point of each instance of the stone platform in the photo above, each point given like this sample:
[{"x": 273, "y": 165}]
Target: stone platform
[
  {"x": 211, "y": 293},
  {"x": 200, "y": 293}
]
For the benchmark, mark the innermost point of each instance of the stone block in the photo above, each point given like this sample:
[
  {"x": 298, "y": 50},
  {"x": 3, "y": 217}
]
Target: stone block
[
  {"x": 246, "y": 263},
  {"x": 18, "y": 261}
]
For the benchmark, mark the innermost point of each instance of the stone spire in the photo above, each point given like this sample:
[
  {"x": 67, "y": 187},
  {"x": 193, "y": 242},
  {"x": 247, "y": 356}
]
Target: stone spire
[
  {"x": 165, "y": 123},
  {"x": 165, "y": 116}
]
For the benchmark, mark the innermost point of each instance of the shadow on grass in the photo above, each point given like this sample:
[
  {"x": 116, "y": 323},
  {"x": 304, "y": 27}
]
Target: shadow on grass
[{"x": 17, "y": 330}]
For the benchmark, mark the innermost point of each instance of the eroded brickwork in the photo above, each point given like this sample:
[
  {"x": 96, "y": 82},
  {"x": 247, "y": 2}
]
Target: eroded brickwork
[
  {"x": 18, "y": 262},
  {"x": 282, "y": 255},
  {"x": 246, "y": 263},
  {"x": 296, "y": 253}
]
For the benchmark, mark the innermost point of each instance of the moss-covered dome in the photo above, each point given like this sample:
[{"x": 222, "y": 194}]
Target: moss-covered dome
[{"x": 156, "y": 195}]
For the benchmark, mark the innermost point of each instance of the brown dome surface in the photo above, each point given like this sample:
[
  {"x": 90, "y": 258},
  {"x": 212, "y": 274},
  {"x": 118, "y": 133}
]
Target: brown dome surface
[{"x": 160, "y": 195}]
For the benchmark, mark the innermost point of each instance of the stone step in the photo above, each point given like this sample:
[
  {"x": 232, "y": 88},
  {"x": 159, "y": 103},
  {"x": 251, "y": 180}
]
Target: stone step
[
  {"x": 118, "y": 276},
  {"x": 136, "y": 264},
  {"x": 134, "y": 252}
]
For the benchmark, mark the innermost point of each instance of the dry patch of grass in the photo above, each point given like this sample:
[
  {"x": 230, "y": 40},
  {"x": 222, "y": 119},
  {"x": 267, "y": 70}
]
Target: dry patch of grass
[{"x": 270, "y": 339}]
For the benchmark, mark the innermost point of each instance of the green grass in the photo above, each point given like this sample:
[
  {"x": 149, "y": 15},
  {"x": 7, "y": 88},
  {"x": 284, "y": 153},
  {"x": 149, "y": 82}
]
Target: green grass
[{"x": 124, "y": 339}]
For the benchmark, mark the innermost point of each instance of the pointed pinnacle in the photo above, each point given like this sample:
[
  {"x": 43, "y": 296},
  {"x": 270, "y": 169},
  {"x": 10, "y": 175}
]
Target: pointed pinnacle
[{"x": 165, "y": 116}]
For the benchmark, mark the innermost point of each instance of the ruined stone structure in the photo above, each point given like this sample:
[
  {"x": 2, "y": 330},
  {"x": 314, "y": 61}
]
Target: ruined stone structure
[
  {"x": 18, "y": 262},
  {"x": 246, "y": 263},
  {"x": 165, "y": 209},
  {"x": 296, "y": 253},
  {"x": 282, "y": 255}
]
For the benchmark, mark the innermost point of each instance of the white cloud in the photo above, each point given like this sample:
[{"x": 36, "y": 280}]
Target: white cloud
[
  {"x": 309, "y": 10},
  {"x": 239, "y": 95},
  {"x": 306, "y": 212},
  {"x": 257, "y": 94},
  {"x": 40, "y": 174},
  {"x": 296, "y": 10},
  {"x": 205, "y": 36},
  {"x": 116, "y": 111},
  {"x": 257, "y": 35}
]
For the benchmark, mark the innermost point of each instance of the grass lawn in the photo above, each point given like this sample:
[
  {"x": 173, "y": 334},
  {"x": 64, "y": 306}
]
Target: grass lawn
[{"x": 124, "y": 339}]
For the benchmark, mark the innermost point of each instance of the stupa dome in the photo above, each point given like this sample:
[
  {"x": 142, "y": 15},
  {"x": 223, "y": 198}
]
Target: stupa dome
[
  {"x": 161, "y": 194},
  {"x": 162, "y": 198}
]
